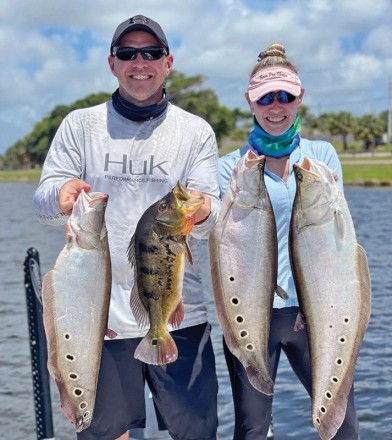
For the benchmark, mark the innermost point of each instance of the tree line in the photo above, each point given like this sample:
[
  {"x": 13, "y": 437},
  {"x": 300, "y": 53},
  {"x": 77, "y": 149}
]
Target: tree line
[{"x": 188, "y": 93}]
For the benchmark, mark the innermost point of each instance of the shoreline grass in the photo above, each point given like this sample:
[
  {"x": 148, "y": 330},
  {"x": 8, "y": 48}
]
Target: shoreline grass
[
  {"x": 368, "y": 174},
  {"x": 21, "y": 176},
  {"x": 369, "y": 171}
]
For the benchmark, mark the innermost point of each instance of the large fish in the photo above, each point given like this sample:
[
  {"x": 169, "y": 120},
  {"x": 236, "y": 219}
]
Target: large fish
[
  {"x": 243, "y": 259},
  {"x": 76, "y": 296},
  {"x": 333, "y": 283},
  {"x": 157, "y": 252}
]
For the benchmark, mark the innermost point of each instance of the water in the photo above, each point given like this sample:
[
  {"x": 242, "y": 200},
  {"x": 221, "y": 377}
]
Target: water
[{"x": 371, "y": 211}]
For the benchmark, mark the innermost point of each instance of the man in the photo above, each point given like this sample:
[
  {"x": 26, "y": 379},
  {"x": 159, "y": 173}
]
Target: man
[{"x": 135, "y": 148}]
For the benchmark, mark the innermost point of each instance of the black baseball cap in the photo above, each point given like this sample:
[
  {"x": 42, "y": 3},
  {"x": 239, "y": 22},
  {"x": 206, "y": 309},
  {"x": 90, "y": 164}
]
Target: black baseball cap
[{"x": 139, "y": 23}]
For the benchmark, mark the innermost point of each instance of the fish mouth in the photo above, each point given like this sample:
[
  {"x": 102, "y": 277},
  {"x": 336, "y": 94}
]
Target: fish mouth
[
  {"x": 313, "y": 171},
  {"x": 188, "y": 202},
  {"x": 193, "y": 205},
  {"x": 305, "y": 165},
  {"x": 95, "y": 198},
  {"x": 189, "y": 219},
  {"x": 303, "y": 171},
  {"x": 87, "y": 200},
  {"x": 181, "y": 192}
]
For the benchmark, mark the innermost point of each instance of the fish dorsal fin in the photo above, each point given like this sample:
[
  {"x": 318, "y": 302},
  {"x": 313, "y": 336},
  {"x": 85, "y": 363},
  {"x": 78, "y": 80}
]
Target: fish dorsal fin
[{"x": 131, "y": 252}]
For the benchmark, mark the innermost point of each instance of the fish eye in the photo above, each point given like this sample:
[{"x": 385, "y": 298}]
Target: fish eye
[
  {"x": 299, "y": 175},
  {"x": 162, "y": 207}
]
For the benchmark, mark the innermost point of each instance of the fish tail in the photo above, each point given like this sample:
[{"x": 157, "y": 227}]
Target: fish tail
[
  {"x": 157, "y": 350},
  {"x": 261, "y": 380},
  {"x": 81, "y": 425}
]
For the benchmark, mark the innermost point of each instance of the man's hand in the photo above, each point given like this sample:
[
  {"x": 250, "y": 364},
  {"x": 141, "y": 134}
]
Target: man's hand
[
  {"x": 205, "y": 209},
  {"x": 69, "y": 192}
]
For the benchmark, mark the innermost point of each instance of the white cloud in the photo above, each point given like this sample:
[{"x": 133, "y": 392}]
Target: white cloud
[{"x": 56, "y": 55}]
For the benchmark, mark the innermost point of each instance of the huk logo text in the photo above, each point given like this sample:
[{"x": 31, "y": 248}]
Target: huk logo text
[{"x": 135, "y": 168}]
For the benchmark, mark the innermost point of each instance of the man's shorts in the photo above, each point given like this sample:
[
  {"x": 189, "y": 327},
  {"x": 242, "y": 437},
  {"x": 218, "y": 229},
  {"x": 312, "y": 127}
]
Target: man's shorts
[{"x": 184, "y": 392}]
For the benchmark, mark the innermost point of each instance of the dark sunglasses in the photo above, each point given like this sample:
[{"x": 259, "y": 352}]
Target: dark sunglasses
[
  {"x": 282, "y": 97},
  {"x": 148, "y": 53}
]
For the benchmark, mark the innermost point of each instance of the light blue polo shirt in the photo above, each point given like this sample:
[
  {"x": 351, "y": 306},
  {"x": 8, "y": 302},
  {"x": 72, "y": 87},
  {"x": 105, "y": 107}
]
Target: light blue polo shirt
[{"x": 282, "y": 197}]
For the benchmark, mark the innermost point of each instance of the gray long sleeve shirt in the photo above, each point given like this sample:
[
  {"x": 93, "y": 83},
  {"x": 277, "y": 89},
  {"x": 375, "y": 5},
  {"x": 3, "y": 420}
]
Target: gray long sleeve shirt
[{"x": 136, "y": 163}]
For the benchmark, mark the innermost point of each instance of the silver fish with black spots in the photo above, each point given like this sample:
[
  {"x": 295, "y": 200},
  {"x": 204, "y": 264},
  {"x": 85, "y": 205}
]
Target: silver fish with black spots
[
  {"x": 243, "y": 258},
  {"x": 76, "y": 296},
  {"x": 334, "y": 290}
]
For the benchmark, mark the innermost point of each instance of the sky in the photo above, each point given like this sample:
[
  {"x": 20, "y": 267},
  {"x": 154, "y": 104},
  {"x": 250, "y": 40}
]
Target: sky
[{"x": 55, "y": 52}]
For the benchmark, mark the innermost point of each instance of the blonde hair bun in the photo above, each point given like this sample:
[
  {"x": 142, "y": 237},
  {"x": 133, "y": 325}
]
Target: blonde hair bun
[
  {"x": 275, "y": 50},
  {"x": 275, "y": 54}
]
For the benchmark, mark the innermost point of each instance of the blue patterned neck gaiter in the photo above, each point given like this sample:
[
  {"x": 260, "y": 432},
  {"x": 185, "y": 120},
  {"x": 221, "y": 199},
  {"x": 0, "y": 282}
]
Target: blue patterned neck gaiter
[{"x": 275, "y": 146}]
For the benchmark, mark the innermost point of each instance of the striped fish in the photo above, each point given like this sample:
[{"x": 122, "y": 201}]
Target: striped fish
[{"x": 157, "y": 252}]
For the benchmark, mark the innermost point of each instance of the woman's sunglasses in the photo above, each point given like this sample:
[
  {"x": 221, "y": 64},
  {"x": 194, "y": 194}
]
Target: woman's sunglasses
[
  {"x": 148, "y": 53},
  {"x": 282, "y": 97}
]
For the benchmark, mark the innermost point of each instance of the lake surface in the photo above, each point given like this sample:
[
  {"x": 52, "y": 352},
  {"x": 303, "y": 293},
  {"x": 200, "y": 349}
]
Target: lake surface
[{"x": 371, "y": 210}]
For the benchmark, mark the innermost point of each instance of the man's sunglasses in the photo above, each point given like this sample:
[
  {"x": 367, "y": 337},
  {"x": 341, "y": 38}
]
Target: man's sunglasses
[
  {"x": 282, "y": 97},
  {"x": 148, "y": 53}
]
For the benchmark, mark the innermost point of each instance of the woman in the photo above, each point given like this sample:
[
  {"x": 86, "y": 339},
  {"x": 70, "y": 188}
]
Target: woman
[{"x": 274, "y": 95}]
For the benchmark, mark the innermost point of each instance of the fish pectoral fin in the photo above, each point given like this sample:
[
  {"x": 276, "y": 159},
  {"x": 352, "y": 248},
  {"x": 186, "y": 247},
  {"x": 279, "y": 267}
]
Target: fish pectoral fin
[
  {"x": 139, "y": 311},
  {"x": 281, "y": 292},
  {"x": 180, "y": 246},
  {"x": 103, "y": 234},
  {"x": 224, "y": 216},
  {"x": 340, "y": 225},
  {"x": 178, "y": 315},
  {"x": 188, "y": 252}
]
